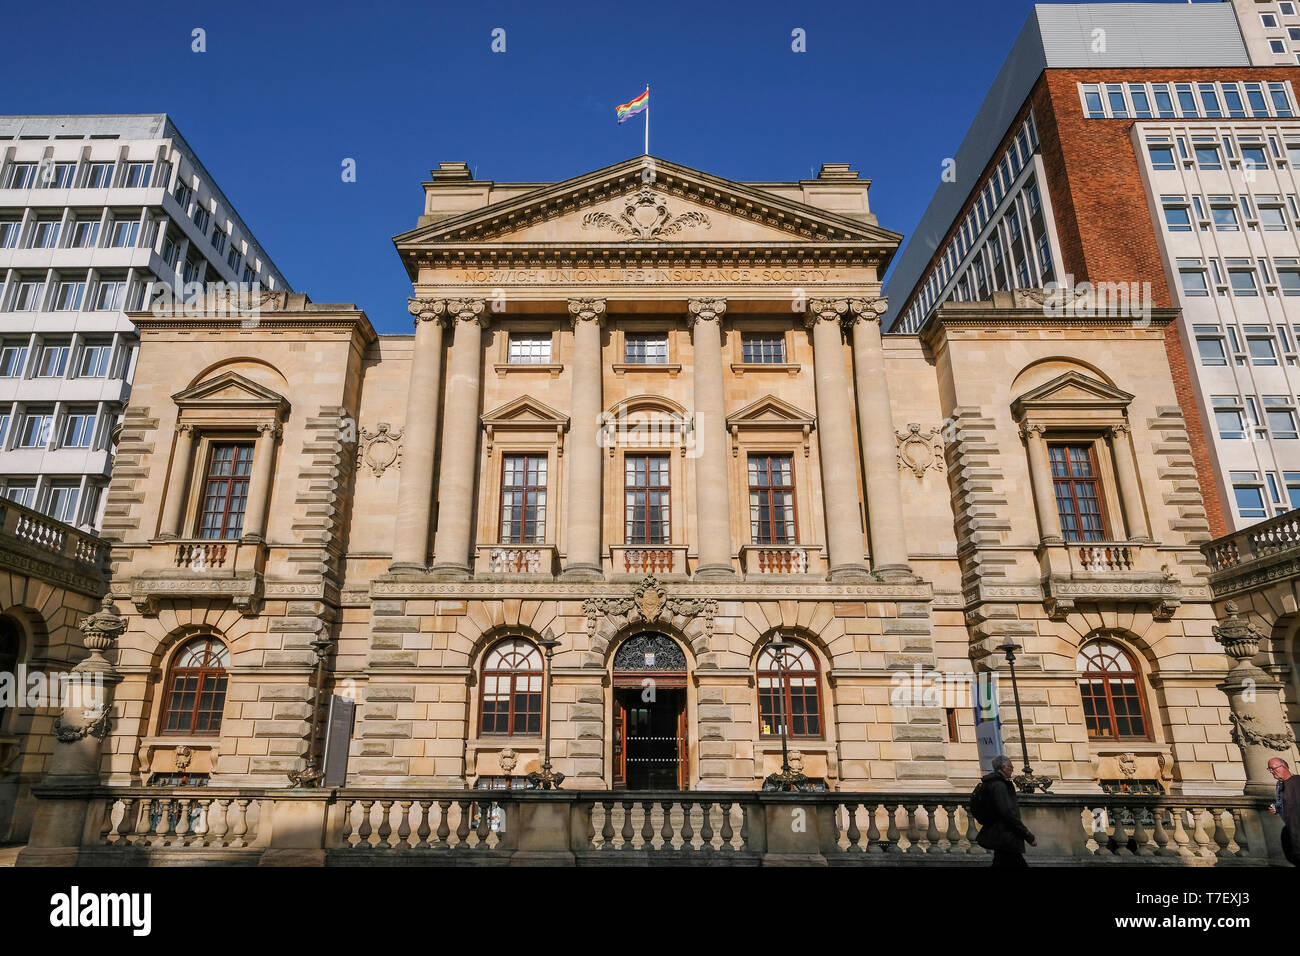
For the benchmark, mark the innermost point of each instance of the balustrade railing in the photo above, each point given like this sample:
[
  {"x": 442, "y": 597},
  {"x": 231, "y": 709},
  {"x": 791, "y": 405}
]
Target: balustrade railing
[
  {"x": 201, "y": 555},
  {"x": 1107, "y": 557},
  {"x": 1259, "y": 541},
  {"x": 34, "y": 530},
  {"x": 611, "y": 827}
]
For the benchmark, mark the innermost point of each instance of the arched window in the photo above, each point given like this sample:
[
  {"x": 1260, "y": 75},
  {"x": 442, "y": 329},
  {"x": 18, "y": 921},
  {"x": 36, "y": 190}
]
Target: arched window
[
  {"x": 196, "y": 688},
  {"x": 787, "y": 690},
  {"x": 512, "y": 689},
  {"x": 1112, "y": 698}
]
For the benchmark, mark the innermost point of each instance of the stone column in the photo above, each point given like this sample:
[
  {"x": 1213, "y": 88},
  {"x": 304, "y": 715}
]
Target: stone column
[
  {"x": 259, "y": 485},
  {"x": 583, "y": 516},
  {"x": 1258, "y": 724},
  {"x": 460, "y": 433},
  {"x": 1040, "y": 473},
  {"x": 712, "y": 482},
  {"x": 847, "y": 559},
  {"x": 179, "y": 483},
  {"x": 1130, "y": 489},
  {"x": 415, "y": 487},
  {"x": 879, "y": 442}
]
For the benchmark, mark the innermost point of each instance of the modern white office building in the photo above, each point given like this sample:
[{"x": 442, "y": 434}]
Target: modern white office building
[
  {"x": 97, "y": 213},
  {"x": 1271, "y": 29}
]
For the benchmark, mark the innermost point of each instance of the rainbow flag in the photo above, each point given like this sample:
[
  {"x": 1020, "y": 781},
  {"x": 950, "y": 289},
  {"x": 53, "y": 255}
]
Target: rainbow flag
[{"x": 638, "y": 105}]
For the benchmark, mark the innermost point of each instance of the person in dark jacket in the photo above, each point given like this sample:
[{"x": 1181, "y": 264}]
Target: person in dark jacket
[
  {"x": 1005, "y": 834},
  {"x": 1288, "y": 805}
]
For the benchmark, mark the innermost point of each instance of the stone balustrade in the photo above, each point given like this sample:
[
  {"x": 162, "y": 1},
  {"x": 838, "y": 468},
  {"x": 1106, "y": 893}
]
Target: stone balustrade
[
  {"x": 153, "y": 825},
  {"x": 1267, "y": 551},
  {"x": 81, "y": 556}
]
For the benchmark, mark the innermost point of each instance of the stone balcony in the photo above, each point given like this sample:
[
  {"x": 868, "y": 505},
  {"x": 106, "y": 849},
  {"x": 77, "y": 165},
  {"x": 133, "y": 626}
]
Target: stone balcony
[
  {"x": 521, "y": 561},
  {"x": 1088, "y": 572},
  {"x": 36, "y": 544},
  {"x": 762, "y": 561},
  {"x": 198, "y": 568},
  {"x": 638, "y": 560},
  {"x": 1255, "y": 556}
]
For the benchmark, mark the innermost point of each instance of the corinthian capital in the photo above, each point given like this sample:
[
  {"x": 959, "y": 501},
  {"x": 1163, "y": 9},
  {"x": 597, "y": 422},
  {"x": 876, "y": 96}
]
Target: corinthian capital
[
  {"x": 869, "y": 310},
  {"x": 427, "y": 310},
  {"x": 825, "y": 310},
  {"x": 468, "y": 310},
  {"x": 706, "y": 310},
  {"x": 587, "y": 310}
]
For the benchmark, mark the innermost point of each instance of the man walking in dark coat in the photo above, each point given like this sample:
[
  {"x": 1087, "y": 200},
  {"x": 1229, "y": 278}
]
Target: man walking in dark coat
[
  {"x": 1288, "y": 805},
  {"x": 1002, "y": 831}
]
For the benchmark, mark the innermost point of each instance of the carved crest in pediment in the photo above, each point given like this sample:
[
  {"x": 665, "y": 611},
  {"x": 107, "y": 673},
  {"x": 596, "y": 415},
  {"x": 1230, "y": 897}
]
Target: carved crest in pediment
[{"x": 646, "y": 217}]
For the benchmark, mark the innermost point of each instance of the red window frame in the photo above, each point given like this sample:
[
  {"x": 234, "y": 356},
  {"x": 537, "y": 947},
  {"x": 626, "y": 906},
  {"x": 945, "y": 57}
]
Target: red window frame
[
  {"x": 225, "y": 490},
  {"x": 805, "y": 722},
  {"x": 1110, "y": 676},
  {"x": 196, "y": 689},
  {"x": 1076, "y": 485},
  {"x": 520, "y": 667},
  {"x": 523, "y": 519},
  {"x": 647, "y": 505},
  {"x": 763, "y": 510}
]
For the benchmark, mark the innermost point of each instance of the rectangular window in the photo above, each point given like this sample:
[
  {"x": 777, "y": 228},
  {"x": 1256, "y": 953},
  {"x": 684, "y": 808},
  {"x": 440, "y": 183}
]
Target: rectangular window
[
  {"x": 1243, "y": 281},
  {"x": 1228, "y": 417},
  {"x": 1289, "y": 279},
  {"x": 13, "y": 359},
  {"x": 771, "y": 499},
  {"x": 1281, "y": 416},
  {"x": 95, "y": 359},
  {"x": 523, "y": 499},
  {"x": 1272, "y": 218},
  {"x": 62, "y": 502},
  {"x": 78, "y": 429},
  {"x": 642, "y": 348},
  {"x": 1210, "y": 349},
  {"x": 123, "y": 234},
  {"x": 1292, "y": 479},
  {"x": 201, "y": 218},
  {"x": 646, "y": 499},
  {"x": 20, "y": 176},
  {"x": 109, "y": 295},
  {"x": 763, "y": 348},
  {"x": 1225, "y": 216},
  {"x": 218, "y": 241},
  {"x": 1248, "y": 492},
  {"x": 136, "y": 175},
  {"x": 1162, "y": 157},
  {"x": 1207, "y": 157},
  {"x": 29, "y": 296},
  {"x": 1078, "y": 499},
  {"x": 9, "y": 233},
  {"x": 21, "y": 493},
  {"x": 85, "y": 234},
  {"x": 36, "y": 428},
  {"x": 68, "y": 296},
  {"x": 99, "y": 176},
  {"x": 45, "y": 234},
  {"x": 53, "y": 361},
  {"x": 225, "y": 490},
  {"x": 1191, "y": 273},
  {"x": 530, "y": 348},
  {"x": 58, "y": 175}
]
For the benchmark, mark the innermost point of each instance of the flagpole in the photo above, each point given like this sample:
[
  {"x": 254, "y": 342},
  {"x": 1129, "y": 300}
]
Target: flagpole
[{"x": 647, "y": 122}]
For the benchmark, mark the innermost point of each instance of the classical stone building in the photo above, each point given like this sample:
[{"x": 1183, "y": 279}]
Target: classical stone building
[{"x": 647, "y": 414}]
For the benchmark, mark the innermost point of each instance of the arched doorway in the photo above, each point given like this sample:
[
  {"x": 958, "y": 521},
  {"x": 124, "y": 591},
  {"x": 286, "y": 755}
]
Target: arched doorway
[
  {"x": 650, "y": 724},
  {"x": 12, "y": 743}
]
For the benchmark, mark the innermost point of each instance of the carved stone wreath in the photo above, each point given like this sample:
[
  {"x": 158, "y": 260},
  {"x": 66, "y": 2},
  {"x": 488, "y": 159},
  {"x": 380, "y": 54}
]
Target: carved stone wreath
[
  {"x": 380, "y": 449},
  {"x": 647, "y": 603},
  {"x": 919, "y": 450},
  {"x": 646, "y": 217},
  {"x": 98, "y": 728},
  {"x": 1243, "y": 733}
]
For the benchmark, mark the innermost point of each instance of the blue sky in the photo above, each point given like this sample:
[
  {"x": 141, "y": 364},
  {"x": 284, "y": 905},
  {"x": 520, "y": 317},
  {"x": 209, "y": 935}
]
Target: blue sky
[{"x": 286, "y": 91}]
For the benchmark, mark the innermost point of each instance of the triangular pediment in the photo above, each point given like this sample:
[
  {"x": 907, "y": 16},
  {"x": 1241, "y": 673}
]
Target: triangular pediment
[
  {"x": 230, "y": 390},
  {"x": 1071, "y": 390},
  {"x": 771, "y": 412},
  {"x": 525, "y": 412},
  {"x": 648, "y": 202}
]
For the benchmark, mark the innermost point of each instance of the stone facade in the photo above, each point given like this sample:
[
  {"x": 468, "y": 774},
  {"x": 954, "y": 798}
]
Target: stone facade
[{"x": 925, "y": 532}]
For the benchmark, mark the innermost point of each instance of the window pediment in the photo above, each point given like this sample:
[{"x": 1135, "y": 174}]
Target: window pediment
[
  {"x": 525, "y": 412},
  {"x": 771, "y": 414},
  {"x": 1072, "y": 398},
  {"x": 229, "y": 392}
]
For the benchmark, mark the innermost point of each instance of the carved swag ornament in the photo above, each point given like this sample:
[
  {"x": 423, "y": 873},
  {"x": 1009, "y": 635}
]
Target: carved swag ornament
[
  {"x": 646, "y": 217},
  {"x": 380, "y": 449},
  {"x": 648, "y": 603}
]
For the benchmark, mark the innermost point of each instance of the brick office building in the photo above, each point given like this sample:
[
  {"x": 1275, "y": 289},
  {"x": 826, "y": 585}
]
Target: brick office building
[{"x": 1135, "y": 143}]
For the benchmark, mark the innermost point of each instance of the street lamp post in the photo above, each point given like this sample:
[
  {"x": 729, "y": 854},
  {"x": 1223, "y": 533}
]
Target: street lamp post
[
  {"x": 788, "y": 779},
  {"x": 546, "y": 778},
  {"x": 1027, "y": 782}
]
